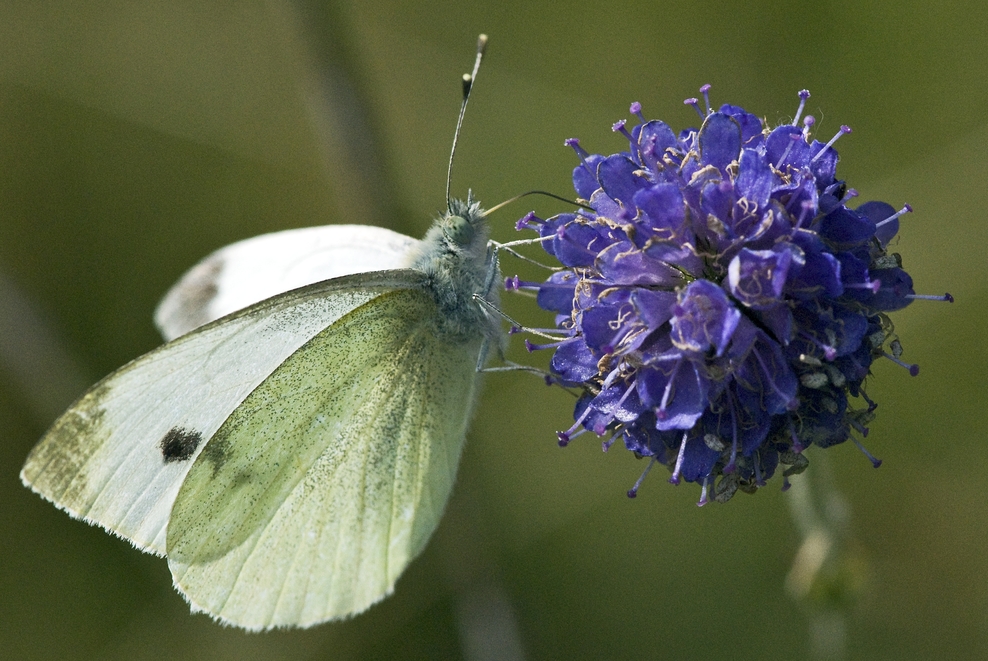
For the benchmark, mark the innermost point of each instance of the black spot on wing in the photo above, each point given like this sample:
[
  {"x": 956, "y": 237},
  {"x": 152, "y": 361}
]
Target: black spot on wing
[{"x": 179, "y": 444}]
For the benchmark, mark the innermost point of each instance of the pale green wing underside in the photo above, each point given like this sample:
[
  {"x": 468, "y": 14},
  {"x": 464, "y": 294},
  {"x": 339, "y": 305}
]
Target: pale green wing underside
[
  {"x": 319, "y": 489},
  {"x": 104, "y": 460}
]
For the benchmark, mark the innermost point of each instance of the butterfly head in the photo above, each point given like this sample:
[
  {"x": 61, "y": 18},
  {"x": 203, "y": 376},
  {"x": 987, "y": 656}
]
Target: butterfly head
[
  {"x": 458, "y": 230},
  {"x": 463, "y": 223}
]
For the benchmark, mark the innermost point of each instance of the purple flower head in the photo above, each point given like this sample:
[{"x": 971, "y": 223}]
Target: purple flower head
[{"x": 720, "y": 303}]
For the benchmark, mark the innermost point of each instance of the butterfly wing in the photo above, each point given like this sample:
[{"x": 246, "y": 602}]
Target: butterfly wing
[
  {"x": 313, "y": 496},
  {"x": 118, "y": 456},
  {"x": 250, "y": 271}
]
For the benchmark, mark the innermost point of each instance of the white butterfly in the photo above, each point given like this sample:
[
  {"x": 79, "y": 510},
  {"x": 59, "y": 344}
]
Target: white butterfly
[{"x": 291, "y": 448}]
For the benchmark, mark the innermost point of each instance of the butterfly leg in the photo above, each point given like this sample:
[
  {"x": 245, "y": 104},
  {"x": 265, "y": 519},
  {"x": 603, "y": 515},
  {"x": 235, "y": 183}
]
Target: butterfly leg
[{"x": 509, "y": 248}]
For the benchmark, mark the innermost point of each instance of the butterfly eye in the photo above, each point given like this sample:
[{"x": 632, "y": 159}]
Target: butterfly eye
[{"x": 458, "y": 230}]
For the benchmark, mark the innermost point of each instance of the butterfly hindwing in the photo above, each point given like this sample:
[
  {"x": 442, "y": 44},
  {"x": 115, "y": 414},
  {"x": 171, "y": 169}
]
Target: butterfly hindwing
[
  {"x": 118, "y": 456},
  {"x": 314, "y": 495},
  {"x": 252, "y": 270}
]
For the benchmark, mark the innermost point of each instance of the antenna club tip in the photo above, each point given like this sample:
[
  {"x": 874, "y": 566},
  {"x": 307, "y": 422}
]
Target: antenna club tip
[{"x": 481, "y": 41}]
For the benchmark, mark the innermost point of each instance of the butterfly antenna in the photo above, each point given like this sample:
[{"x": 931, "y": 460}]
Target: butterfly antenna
[
  {"x": 494, "y": 208},
  {"x": 468, "y": 80}
]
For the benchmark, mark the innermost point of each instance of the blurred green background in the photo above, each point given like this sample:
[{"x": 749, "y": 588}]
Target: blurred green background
[{"x": 136, "y": 137}]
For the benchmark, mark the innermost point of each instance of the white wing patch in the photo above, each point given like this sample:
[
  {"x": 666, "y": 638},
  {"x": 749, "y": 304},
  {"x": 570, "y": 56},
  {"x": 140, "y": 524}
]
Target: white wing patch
[
  {"x": 250, "y": 271},
  {"x": 118, "y": 456}
]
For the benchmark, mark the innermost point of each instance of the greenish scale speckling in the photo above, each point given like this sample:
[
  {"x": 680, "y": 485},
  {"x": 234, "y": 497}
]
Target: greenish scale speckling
[
  {"x": 344, "y": 477},
  {"x": 56, "y": 469},
  {"x": 346, "y": 454}
]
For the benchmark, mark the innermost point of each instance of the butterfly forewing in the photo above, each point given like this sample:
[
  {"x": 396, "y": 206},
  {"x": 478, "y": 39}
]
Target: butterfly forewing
[
  {"x": 252, "y": 270},
  {"x": 318, "y": 490},
  {"x": 118, "y": 456}
]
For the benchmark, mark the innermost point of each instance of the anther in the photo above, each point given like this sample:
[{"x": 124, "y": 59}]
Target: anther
[
  {"x": 803, "y": 95},
  {"x": 692, "y": 101},
  {"x": 566, "y": 436},
  {"x": 529, "y": 222},
  {"x": 575, "y": 144},
  {"x": 808, "y": 123},
  {"x": 636, "y": 110},
  {"x": 619, "y": 127}
]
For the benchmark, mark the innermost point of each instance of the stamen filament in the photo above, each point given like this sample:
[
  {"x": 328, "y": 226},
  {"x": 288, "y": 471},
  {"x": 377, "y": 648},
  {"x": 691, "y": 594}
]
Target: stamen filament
[
  {"x": 845, "y": 129},
  {"x": 931, "y": 297},
  {"x": 797, "y": 445},
  {"x": 829, "y": 352},
  {"x": 703, "y": 492},
  {"x": 705, "y": 91},
  {"x": 794, "y": 137},
  {"x": 913, "y": 369},
  {"x": 633, "y": 491},
  {"x": 576, "y": 430},
  {"x": 679, "y": 460},
  {"x": 874, "y": 462},
  {"x": 905, "y": 209}
]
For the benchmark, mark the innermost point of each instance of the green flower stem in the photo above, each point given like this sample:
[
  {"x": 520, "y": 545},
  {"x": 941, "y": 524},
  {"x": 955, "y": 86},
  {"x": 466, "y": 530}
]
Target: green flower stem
[{"x": 828, "y": 570}]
